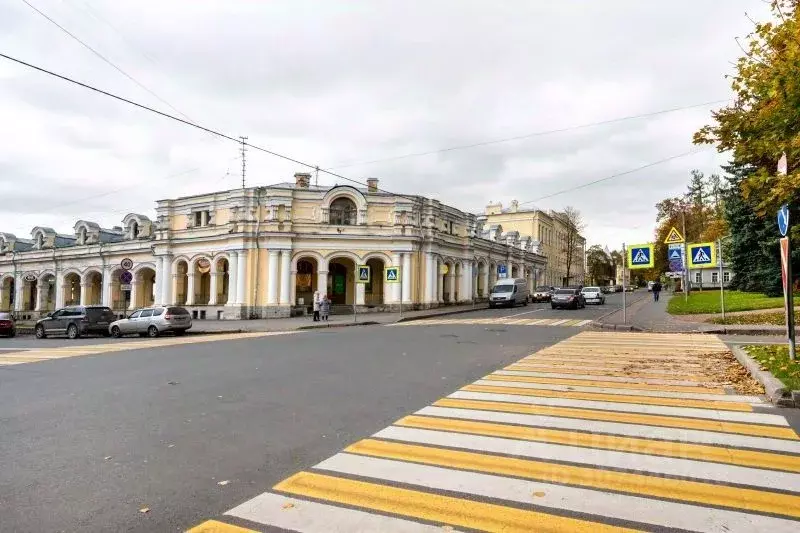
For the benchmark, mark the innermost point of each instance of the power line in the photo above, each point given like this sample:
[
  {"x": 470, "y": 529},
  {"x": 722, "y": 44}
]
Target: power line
[
  {"x": 194, "y": 125},
  {"x": 617, "y": 175},
  {"x": 530, "y": 135},
  {"x": 103, "y": 58}
]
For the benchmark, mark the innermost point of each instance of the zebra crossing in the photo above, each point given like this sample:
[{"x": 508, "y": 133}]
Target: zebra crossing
[
  {"x": 35, "y": 355},
  {"x": 601, "y": 432},
  {"x": 505, "y": 321}
]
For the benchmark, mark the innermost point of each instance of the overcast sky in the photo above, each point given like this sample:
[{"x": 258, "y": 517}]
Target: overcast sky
[{"x": 335, "y": 83}]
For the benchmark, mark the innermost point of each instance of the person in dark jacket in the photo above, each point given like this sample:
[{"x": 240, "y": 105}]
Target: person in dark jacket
[{"x": 656, "y": 290}]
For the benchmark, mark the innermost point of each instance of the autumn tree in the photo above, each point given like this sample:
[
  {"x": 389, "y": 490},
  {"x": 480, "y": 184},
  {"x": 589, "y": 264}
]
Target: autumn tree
[
  {"x": 573, "y": 243},
  {"x": 598, "y": 264}
]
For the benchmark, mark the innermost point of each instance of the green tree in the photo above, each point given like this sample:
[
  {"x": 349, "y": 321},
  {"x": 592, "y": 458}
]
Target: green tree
[{"x": 598, "y": 264}]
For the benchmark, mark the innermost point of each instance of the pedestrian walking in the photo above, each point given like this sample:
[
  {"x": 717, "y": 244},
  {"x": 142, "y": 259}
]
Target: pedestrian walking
[
  {"x": 656, "y": 290},
  {"x": 316, "y": 306},
  {"x": 325, "y": 307}
]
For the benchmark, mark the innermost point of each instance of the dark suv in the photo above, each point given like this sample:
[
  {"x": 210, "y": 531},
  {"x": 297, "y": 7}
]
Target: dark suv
[{"x": 76, "y": 321}]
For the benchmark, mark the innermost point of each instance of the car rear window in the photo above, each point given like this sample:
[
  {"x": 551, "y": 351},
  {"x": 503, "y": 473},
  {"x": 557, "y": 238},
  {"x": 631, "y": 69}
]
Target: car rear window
[
  {"x": 177, "y": 311},
  {"x": 591, "y": 289},
  {"x": 98, "y": 312},
  {"x": 565, "y": 291}
]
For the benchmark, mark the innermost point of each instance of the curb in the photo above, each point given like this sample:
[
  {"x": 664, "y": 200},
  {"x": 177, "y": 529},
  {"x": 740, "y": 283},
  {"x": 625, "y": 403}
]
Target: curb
[
  {"x": 340, "y": 325},
  {"x": 775, "y": 389},
  {"x": 433, "y": 315}
]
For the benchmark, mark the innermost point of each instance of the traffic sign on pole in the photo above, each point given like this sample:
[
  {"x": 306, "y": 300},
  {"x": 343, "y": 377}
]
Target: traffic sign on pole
[
  {"x": 701, "y": 255},
  {"x": 674, "y": 237},
  {"x": 640, "y": 256},
  {"x": 363, "y": 274},
  {"x": 392, "y": 274},
  {"x": 783, "y": 219}
]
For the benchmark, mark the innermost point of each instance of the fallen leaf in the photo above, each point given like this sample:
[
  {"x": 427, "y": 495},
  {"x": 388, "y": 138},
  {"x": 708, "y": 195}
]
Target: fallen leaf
[
  {"x": 144, "y": 510},
  {"x": 539, "y": 494},
  {"x": 223, "y": 483},
  {"x": 447, "y": 528},
  {"x": 287, "y": 505}
]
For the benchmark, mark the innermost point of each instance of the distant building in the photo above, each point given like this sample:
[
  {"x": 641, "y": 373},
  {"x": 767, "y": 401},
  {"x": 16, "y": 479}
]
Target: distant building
[{"x": 550, "y": 231}]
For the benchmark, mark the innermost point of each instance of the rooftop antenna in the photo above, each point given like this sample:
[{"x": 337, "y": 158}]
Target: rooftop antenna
[
  {"x": 243, "y": 151},
  {"x": 316, "y": 176}
]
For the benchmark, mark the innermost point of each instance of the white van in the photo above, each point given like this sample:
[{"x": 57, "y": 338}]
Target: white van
[{"x": 509, "y": 292}]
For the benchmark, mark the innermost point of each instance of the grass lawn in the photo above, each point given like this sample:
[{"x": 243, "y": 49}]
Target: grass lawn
[
  {"x": 708, "y": 302},
  {"x": 775, "y": 319},
  {"x": 776, "y": 360}
]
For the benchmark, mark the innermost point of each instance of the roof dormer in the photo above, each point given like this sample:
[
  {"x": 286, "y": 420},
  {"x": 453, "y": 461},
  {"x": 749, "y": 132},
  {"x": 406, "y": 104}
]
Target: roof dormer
[
  {"x": 137, "y": 226},
  {"x": 86, "y": 232}
]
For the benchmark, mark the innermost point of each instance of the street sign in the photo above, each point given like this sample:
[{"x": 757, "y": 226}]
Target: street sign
[
  {"x": 125, "y": 287},
  {"x": 502, "y": 271},
  {"x": 126, "y": 263},
  {"x": 126, "y": 277},
  {"x": 676, "y": 254},
  {"x": 702, "y": 255},
  {"x": 783, "y": 219},
  {"x": 640, "y": 256},
  {"x": 392, "y": 274},
  {"x": 363, "y": 274},
  {"x": 674, "y": 236}
]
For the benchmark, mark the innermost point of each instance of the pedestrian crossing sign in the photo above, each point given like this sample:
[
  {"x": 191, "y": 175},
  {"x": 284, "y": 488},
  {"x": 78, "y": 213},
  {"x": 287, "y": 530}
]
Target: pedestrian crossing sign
[
  {"x": 702, "y": 255},
  {"x": 363, "y": 274},
  {"x": 674, "y": 236},
  {"x": 640, "y": 256},
  {"x": 392, "y": 274},
  {"x": 675, "y": 255}
]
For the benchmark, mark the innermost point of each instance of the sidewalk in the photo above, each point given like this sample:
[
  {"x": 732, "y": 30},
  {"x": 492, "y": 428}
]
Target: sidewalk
[{"x": 646, "y": 315}]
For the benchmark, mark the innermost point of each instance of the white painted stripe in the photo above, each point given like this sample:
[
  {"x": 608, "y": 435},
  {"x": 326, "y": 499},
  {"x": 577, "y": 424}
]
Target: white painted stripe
[
  {"x": 582, "y": 323},
  {"x": 600, "y": 377},
  {"x": 593, "y": 502},
  {"x": 525, "y": 313},
  {"x": 313, "y": 517},
  {"x": 630, "y": 392},
  {"x": 713, "y": 414},
  {"x": 559, "y": 322},
  {"x": 593, "y": 457},
  {"x": 624, "y": 429}
]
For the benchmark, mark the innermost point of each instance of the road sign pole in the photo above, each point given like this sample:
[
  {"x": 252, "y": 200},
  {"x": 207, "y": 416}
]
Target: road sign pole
[
  {"x": 402, "y": 274},
  {"x": 685, "y": 260},
  {"x": 721, "y": 287},
  {"x": 789, "y": 297},
  {"x": 624, "y": 288}
]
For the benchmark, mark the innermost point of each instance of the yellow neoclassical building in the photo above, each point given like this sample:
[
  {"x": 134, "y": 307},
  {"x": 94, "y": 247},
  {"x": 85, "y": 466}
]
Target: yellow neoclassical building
[{"x": 262, "y": 252}]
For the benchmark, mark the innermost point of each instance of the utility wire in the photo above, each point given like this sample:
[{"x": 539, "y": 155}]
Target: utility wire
[
  {"x": 530, "y": 135},
  {"x": 194, "y": 125},
  {"x": 104, "y": 58}
]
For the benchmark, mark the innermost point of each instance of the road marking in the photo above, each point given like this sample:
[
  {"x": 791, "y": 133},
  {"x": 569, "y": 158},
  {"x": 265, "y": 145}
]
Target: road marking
[
  {"x": 433, "y": 507},
  {"x": 213, "y": 526},
  {"x": 730, "y": 416},
  {"x": 505, "y": 321},
  {"x": 603, "y": 458},
  {"x": 754, "y": 430},
  {"x": 312, "y": 517},
  {"x": 525, "y": 313},
  {"x": 547, "y": 495},
  {"x": 586, "y": 387},
  {"x": 640, "y": 400},
  {"x": 630, "y": 429},
  {"x": 546, "y": 371},
  {"x": 603, "y": 383}
]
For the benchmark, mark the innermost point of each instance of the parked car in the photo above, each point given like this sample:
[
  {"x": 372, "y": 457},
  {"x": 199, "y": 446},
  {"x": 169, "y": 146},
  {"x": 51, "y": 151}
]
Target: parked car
[
  {"x": 608, "y": 289},
  {"x": 541, "y": 295},
  {"x": 630, "y": 288},
  {"x": 509, "y": 292},
  {"x": 617, "y": 288},
  {"x": 75, "y": 321},
  {"x": 593, "y": 295},
  {"x": 8, "y": 326},
  {"x": 567, "y": 299},
  {"x": 153, "y": 321}
]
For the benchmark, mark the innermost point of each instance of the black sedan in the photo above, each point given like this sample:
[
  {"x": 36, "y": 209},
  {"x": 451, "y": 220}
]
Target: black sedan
[
  {"x": 568, "y": 299},
  {"x": 8, "y": 327}
]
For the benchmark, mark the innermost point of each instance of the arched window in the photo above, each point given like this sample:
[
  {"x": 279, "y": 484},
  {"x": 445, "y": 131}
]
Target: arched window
[
  {"x": 134, "y": 230},
  {"x": 39, "y": 241},
  {"x": 82, "y": 236},
  {"x": 343, "y": 212}
]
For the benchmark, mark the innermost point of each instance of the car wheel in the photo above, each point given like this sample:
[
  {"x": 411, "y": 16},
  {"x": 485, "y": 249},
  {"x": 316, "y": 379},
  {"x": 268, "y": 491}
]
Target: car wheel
[
  {"x": 525, "y": 303},
  {"x": 152, "y": 332},
  {"x": 12, "y": 334},
  {"x": 39, "y": 332},
  {"x": 72, "y": 332},
  {"x": 491, "y": 306},
  {"x": 552, "y": 307},
  {"x": 115, "y": 332}
]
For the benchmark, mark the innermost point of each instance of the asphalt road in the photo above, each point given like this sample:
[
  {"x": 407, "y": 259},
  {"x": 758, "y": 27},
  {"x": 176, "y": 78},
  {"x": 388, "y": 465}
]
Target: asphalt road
[{"x": 87, "y": 442}]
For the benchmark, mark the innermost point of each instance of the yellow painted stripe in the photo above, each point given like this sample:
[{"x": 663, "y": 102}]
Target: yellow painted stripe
[
  {"x": 632, "y": 355},
  {"x": 637, "y": 484},
  {"x": 617, "y": 398},
  {"x": 434, "y": 507},
  {"x": 699, "y": 452},
  {"x": 214, "y": 526},
  {"x": 607, "y": 384},
  {"x": 754, "y": 430},
  {"x": 606, "y": 372}
]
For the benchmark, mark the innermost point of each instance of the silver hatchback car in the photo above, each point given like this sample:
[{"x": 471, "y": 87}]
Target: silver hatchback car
[{"x": 153, "y": 321}]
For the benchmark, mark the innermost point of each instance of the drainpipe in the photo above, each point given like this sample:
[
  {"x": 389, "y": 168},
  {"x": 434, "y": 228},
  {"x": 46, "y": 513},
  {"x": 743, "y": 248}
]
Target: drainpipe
[
  {"x": 14, "y": 292},
  {"x": 259, "y": 190}
]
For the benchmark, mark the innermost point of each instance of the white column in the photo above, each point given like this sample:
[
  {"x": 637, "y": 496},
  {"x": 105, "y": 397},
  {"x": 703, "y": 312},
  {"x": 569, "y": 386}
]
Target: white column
[
  {"x": 395, "y": 287},
  {"x": 233, "y": 269},
  {"x": 407, "y": 278},
  {"x": 59, "y": 291},
  {"x": 272, "y": 278},
  {"x": 166, "y": 287},
  {"x": 212, "y": 298},
  {"x": 19, "y": 288},
  {"x": 241, "y": 278},
  {"x": 37, "y": 306},
  {"x": 2, "y": 297},
  {"x": 486, "y": 288},
  {"x": 107, "y": 281},
  {"x": 474, "y": 292},
  {"x": 439, "y": 282},
  {"x": 322, "y": 282},
  {"x": 134, "y": 293},
  {"x": 286, "y": 277},
  {"x": 158, "y": 293},
  {"x": 451, "y": 284},
  {"x": 190, "y": 287},
  {"x": 84, "y": 293},
  {"x": 361, "y": 290}
]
